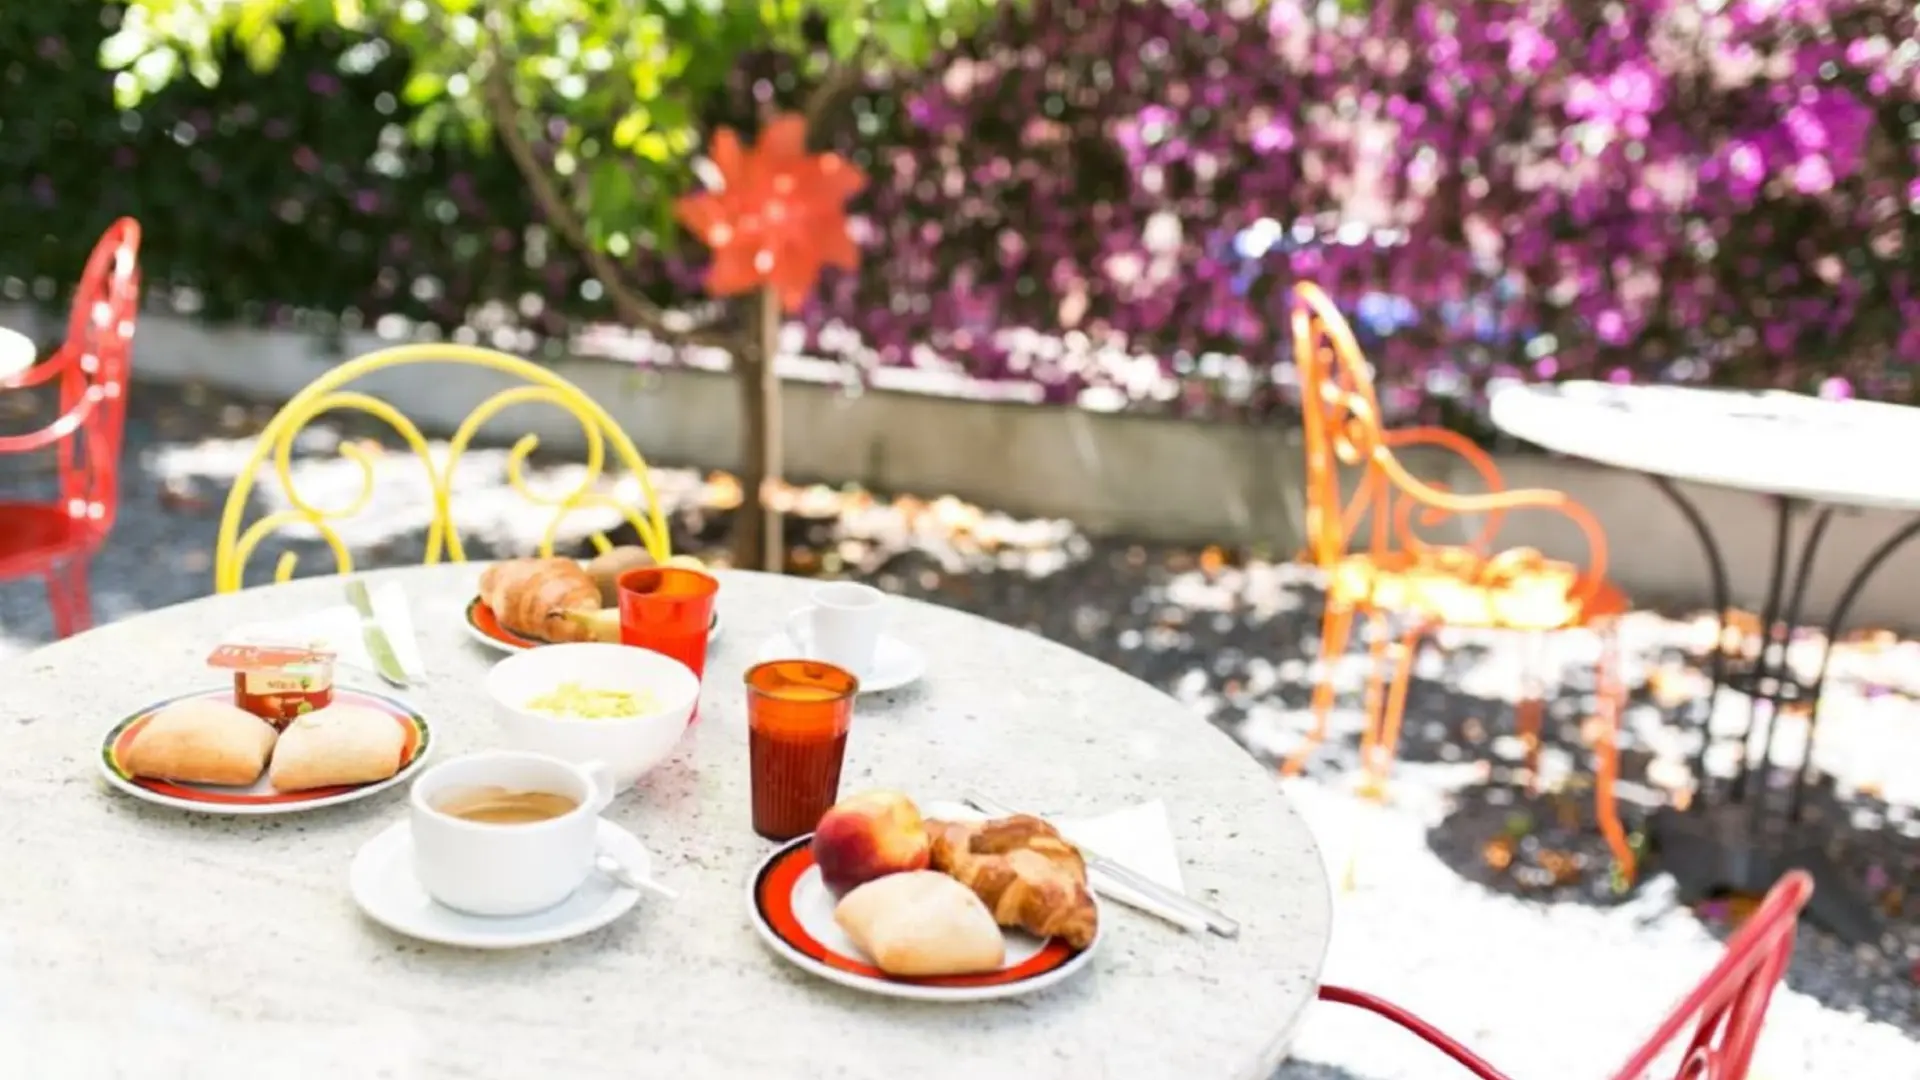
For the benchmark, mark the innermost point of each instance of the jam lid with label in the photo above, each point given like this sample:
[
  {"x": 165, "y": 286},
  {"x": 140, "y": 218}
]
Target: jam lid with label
[
  {"x": 276, "y": 680},
  {"x": 259, "y": 650}
]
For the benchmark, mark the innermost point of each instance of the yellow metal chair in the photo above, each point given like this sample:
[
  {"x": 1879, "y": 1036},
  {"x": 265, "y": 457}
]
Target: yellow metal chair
[{"x": 326, "y": 395}]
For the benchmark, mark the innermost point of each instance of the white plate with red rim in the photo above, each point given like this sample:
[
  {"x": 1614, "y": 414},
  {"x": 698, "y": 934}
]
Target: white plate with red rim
[
  {"x": 792, "y": 911},
  {"x": 259, "y": 797}
]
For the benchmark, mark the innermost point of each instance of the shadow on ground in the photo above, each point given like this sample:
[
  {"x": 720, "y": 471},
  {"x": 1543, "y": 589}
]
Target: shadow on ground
[{"x": 1313, "y": 1070}]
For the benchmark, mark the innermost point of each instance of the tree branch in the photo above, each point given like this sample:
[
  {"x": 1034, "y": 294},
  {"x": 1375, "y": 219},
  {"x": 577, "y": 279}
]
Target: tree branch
[
  {"x": 840, "y": 79},
  {"x": 631, "y": 306}
]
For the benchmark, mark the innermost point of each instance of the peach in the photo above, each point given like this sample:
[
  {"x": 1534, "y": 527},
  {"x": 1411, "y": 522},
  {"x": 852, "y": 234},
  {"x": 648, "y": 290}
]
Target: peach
[{"x": 867, "y": 836}]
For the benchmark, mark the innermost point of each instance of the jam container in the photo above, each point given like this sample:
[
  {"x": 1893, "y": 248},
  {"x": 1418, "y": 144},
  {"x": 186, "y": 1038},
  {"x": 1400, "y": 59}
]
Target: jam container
[{"x": 278, "y": 683}]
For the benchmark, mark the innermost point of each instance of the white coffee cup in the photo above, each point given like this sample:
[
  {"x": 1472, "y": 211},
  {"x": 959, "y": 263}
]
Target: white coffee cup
[
  {"x": 504, "y": 870},
  {"x": 841, "y": 626}
]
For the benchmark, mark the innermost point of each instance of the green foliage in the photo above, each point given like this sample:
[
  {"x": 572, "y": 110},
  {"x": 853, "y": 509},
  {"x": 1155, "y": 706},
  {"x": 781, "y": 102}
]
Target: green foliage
[
  {"x": 272, "y": 196},
  {"x": 613, "y": 95}
]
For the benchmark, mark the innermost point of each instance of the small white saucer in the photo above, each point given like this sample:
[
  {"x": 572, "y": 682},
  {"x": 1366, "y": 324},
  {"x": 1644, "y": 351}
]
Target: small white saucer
[
  {"x": 384, "y": 886},
  {"x": 895, "y": 663}
]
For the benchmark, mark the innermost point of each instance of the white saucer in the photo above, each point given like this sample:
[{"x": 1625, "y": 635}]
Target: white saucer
[
  {"x": 895, "y": 663},
  {"x": 384, "y": 886}
]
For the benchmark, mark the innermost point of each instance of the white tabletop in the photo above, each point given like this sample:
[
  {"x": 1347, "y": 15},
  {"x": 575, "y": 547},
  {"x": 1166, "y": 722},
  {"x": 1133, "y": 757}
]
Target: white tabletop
[
  {"x": 16, "y": 353},
  {"x": 1853, "y": 453},
  {"x": 140, "y": 941}
]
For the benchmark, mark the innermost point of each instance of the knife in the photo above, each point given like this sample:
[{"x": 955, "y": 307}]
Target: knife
[
  {"x": 1188, "y": 907},
  {"x": 385, "y": 661}
]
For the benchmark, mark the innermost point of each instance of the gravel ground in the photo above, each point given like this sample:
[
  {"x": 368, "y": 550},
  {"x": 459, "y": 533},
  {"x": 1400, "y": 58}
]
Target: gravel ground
[{"x": 1541, "y": 964}]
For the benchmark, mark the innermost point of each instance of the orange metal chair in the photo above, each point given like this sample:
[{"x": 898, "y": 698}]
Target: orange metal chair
[
  {"x": 56, "y": 539},
  {"x": 1429, "y": 585},
  {"x": 1725, "y": 1010}
]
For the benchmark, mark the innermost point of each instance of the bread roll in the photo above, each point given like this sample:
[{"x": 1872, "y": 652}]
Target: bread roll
[
  {"x": 922, "y": 923},
  {"x": 343, "y": 743},
  {"x": 201, "y": 741}
]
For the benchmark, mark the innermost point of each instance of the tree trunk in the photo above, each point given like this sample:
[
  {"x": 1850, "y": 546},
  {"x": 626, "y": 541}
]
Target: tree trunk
[
  {"x": 749, "y": 526},
  {"x": 758, "y": 541}
]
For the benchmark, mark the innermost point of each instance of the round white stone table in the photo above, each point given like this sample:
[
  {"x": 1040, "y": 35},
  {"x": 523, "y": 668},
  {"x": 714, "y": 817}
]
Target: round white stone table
[
  {"x": 1768, "y": 441},
  {"x": 145, "y": 942}
]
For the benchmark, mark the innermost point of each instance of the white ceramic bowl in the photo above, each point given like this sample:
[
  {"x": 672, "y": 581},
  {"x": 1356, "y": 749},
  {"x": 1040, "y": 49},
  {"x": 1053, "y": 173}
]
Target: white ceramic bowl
[{"x": 628, "y": 746}]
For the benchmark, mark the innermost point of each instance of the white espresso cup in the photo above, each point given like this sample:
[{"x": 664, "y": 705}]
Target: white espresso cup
[
  {"x": 841, "y": 626},
  {"x": 503, "y": 870}
]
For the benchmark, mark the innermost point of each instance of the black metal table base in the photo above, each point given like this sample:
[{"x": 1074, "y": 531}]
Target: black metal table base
[
  {"x": 1726, "y": 844},
  {"x": 1714, "y": 852}
]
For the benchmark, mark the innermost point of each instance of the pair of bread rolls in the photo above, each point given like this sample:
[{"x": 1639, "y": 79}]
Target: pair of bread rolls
[{"x": 208, "y": 741}]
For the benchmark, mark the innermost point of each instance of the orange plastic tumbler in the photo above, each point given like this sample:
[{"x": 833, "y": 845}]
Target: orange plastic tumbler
[
  {"x": 798, "y": 713},
  {"x": 668, "y": 609}
]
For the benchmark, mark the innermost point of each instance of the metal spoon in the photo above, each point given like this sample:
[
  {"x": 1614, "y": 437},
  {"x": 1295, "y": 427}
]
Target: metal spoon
[{"x": 622, "y": 875}]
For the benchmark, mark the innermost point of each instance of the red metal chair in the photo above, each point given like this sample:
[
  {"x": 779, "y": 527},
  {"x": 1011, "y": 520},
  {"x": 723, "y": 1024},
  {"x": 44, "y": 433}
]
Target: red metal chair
[
  {"x": 1725, "y": 1010},
  {"x": 55, "y": 540}
]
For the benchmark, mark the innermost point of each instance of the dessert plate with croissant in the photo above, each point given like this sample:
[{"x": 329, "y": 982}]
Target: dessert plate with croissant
[
  {"x": 524, "y": 603},
  {"x": 880, "y": 899},
  {"x": 203, "y": 752}
]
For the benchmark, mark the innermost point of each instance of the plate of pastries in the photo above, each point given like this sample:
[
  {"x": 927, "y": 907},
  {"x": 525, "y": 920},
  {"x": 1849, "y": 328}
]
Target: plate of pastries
[
  {"x": 203, "y": 752},
  {"x": 526, "y": 603},
  {"x": 882, "y": 899}
]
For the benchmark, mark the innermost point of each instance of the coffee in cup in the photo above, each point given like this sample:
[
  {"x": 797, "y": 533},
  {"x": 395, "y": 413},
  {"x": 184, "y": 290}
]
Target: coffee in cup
[
  {"x": 506, "y": 832},
  {"x": 495, "y": 805}
]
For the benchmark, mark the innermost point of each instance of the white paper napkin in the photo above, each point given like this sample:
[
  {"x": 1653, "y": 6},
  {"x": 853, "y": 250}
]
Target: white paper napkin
[
  {"x": 338, "y": 629},
  {"x": 1137, "y": 838}
]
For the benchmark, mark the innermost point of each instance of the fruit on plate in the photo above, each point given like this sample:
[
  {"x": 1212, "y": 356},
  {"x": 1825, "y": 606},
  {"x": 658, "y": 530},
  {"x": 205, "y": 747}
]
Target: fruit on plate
[
  {"x": 600, "y": 625},
  {"x": 868, "y": 836},
  {"x": 605, "y": 569}
]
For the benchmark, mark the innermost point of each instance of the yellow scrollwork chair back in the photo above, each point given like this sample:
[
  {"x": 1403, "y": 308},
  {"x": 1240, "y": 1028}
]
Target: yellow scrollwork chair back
[{"x": 327, "y": 395}]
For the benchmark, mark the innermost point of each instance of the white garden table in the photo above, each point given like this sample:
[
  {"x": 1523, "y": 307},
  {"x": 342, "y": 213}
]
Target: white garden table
[
  {"x": 141, "y": 941},
  {"x": 1805, "y": 455}
]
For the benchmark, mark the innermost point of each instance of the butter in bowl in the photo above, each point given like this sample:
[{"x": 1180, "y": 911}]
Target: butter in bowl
[{"x": 583, "y": 702}]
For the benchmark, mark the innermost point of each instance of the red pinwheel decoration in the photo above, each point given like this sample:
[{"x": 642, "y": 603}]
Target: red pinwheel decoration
[{"x": 779, "y": 216}]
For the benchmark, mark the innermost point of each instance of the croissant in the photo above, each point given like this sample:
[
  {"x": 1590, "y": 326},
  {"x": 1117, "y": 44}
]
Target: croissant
[
  {"x": 1024, "y": 871},
  {"x": 530, "y": 597}
]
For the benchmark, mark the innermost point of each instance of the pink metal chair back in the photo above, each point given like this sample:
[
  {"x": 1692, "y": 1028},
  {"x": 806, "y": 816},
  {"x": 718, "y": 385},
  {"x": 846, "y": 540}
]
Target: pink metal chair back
[
  {"x": 92, "y": 367},
  {"x": 1723, "y": 1013}
]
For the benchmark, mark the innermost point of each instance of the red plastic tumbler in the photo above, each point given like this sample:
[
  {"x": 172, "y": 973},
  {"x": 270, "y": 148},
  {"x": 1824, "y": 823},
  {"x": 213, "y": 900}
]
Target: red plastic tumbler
[{"x": 668, "y": 609}]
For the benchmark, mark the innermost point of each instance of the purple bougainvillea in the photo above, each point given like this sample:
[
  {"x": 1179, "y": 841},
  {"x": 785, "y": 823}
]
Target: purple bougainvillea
[
  {"x": 1109, "y": 199},
  {"x": 1648, "y": 190}
]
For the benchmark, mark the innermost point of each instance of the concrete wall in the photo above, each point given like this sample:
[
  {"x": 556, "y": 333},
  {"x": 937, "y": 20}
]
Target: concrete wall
[{"x": 1129, "y": 475}]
